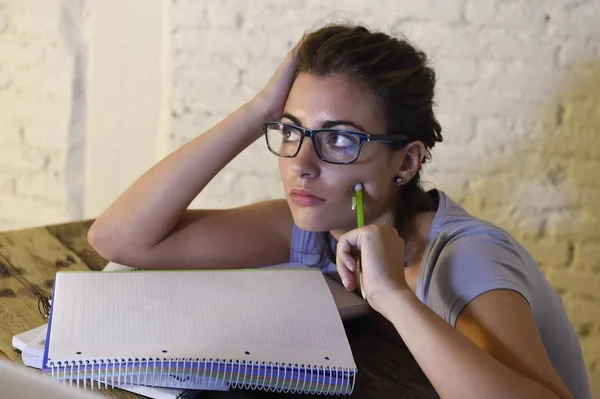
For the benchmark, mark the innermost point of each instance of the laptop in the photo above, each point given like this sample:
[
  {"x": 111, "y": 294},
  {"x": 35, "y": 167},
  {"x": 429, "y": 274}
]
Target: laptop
[{"x": 20, "y": 382}]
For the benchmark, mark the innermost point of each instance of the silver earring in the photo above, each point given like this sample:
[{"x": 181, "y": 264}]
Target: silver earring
[{"x": 398, "y": 180}]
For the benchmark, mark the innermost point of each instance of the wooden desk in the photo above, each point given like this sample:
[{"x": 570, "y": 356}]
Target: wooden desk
[{"x": 30, "y": 258}]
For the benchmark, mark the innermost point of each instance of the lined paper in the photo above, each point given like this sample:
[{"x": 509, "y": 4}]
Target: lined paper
[{"x": 284, "y": 316}]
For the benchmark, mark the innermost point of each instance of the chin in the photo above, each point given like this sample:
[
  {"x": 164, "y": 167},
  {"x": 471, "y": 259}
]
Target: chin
[
  {"x": 315, "y": 219},
  {"x": 310, "y": 223}
]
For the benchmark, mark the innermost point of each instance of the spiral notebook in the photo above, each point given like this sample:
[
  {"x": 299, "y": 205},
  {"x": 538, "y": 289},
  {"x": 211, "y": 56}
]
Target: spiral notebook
[{"x": 270, "y": 329}]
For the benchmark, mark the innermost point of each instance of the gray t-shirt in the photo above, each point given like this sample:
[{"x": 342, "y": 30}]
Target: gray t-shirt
[{"x": 466, "y": 257}]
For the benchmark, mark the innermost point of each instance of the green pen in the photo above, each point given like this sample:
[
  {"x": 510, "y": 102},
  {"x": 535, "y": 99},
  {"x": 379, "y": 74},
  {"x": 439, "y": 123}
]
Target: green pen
[{"x": 357, "y": 205}]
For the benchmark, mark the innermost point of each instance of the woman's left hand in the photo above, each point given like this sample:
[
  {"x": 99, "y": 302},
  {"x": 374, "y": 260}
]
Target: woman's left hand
[{"x": 382, "y": 255}]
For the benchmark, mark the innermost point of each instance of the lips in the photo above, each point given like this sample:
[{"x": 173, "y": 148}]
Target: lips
[{"x": 304, "y": 197}]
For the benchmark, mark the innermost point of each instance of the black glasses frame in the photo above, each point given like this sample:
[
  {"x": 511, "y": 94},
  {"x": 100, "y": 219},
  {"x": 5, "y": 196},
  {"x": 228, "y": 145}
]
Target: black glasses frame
[{"x": 311, "y": 133}]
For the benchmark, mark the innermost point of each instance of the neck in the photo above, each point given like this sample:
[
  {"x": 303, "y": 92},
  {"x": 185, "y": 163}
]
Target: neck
[{"x": 415, "y": 236}]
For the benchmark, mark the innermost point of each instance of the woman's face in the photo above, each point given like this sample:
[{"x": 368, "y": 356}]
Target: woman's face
[{"x": 319, "y": 194}]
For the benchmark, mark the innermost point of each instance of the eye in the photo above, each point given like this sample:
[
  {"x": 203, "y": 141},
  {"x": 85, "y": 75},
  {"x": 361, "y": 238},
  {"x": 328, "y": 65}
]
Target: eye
[
  {"x": 290, "y": 134},
  {"x": 340, "y": 140}
]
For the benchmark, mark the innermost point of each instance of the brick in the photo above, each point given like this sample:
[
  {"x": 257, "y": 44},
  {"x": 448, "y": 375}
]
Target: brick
[
  {"x": 429, "y": 10},
  {"x": 574, "y": 224},
  {"x": 256, "y": 160},
  {"x": 593, "y": 372},
  {"x": 523, "y": 194},
  {"x": 34, "y": 110},
  {"x": 446, "y": 158},
  {"x": 494, "y": 131},
  {"x": 5, "y": 79},
  {"x": 456, "y": 129},
  {"x": 519, "y": 79},
  {"x": 580, "y": 309},
  {"x": 565, "y": 141},
  {"x": 585, "y": 171},
  {"x": 46, "y": 187},
  {"x": 34, "y": 132},
  {"x": 453, "y": 184},
  {"x": 7, "y": 223},
  {"x": 3, "y": 21},
  {"x": 586, "y": 284},
  {"x": 588, "y": 197},
  {"x": 577, "y": 53},
  {"x": 531, "y": 51},
  {"x": 485, "y": 102},
  {"x": 587, "y": 257},
  {"x": 188, "y": 125},
  {"x": 582, "y": 113},
  {"x": 188, "y": 15},
  {"x": 591, "y": 344},
  {"x": 583, "y": 19},
  {"x": 21, "y": 55},
  {"x": 457, "y": 71},
  {"x": 22, "y": 159},
  {"x": 228, "y": 190},
  {"x": 576, "y": 84},
  {"x": 208, "y": 43},
  {"x": 274, "y": 20},
  {"x": 214, "y": 88},
  {"x": 32, "y": 211},
  {"x": 52, "y": 136},
  {"x": 442, "y": 40},
  {"x": 557, "y": 254},
  {"x": 9, "y": 131},
  {"x": 523, "y": 16},
  {"x": 489, "y": 68},
  {"x": 6, "y": 182},
  {"x": 503, "y": 217}
]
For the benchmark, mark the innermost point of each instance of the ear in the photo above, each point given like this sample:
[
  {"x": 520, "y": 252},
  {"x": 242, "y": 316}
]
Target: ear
[{"x": 411, "y": 158}]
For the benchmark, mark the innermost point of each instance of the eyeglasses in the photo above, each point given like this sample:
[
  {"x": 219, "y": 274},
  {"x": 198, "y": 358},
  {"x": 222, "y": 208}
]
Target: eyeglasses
[{"x": 332, "y": 145}]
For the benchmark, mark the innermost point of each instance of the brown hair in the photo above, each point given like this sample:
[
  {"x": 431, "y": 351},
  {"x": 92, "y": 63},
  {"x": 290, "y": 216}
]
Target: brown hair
[{"x": 397, "y": 74}]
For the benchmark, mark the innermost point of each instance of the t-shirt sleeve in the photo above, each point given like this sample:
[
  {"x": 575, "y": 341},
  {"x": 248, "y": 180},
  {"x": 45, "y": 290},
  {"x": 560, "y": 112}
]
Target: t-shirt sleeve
[{"x": 470, "y": 266}]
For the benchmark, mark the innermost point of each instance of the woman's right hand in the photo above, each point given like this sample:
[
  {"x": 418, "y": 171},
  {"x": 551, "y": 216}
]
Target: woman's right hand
[{"x": 271, "y": 99}]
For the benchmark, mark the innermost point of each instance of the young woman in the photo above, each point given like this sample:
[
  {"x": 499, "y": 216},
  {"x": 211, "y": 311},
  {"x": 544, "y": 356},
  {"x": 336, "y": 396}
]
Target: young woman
[{"x": 350, "y": 106}]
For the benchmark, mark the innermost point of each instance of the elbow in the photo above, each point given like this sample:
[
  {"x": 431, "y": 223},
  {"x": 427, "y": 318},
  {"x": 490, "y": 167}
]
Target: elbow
[
  {"x": 113, "y": 244},
  {"x": 105, "y": 243}
]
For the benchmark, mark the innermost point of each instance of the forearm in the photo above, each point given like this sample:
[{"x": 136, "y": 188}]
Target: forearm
[
  {"x": 148, "y": 210},
  {"x": 456, "y": 367}
]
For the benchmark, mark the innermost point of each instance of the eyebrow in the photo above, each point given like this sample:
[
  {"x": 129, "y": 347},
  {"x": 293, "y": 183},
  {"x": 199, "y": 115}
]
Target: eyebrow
[{"x": 326, "y": 124}]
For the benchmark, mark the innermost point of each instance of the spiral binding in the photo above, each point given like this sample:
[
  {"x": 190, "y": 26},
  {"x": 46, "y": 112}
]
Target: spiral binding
[
  {"x": 199, "y": 374},
  {"x": 44, "y": 305}
]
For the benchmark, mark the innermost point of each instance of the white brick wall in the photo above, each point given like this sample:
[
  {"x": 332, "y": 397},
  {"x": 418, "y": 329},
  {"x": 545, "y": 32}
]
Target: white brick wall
[
  {"x": 518, "y": 95},
  {"x": 39, "y": 79}
]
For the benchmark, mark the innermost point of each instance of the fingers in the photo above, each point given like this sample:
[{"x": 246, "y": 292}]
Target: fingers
[
  {"x": 346, "y": 263},
  {"x": 347, "y": 276}
]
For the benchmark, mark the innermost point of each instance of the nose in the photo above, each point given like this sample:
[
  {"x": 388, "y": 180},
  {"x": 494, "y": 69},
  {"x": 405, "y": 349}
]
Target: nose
[{"x": 306, "y": 163}]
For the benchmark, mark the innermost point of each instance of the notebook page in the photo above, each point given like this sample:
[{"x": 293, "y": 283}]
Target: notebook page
[
  {"x": 284, "y": 316},
  {"x": 349, "y": 304}
]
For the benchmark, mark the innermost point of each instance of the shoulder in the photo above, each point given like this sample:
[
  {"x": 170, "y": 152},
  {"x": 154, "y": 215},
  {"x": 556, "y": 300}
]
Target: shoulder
[{"x": 470, "y": 257}]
